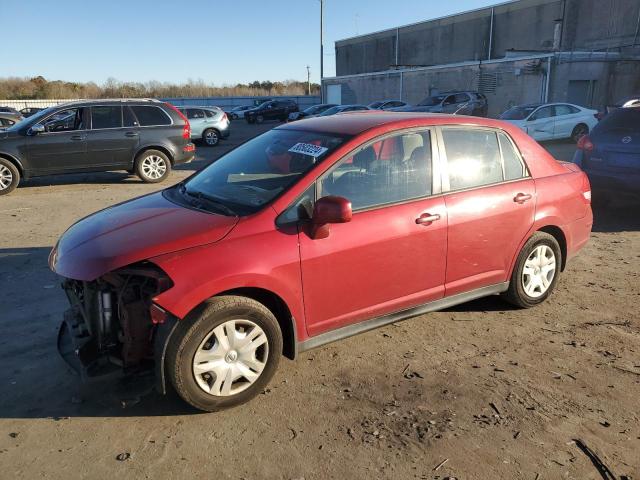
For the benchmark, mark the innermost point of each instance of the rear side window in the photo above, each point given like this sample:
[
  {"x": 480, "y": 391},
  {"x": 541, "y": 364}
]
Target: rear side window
[
  {"x": 208, "y": 113},
  {"x": 150, "y": 116},
  {"x": 565, "y": 110},
  {"x": 513, "y": 167},
  {"x": 194, "y": 113},
  {"x": 106, "y": 117},
  {"x": 473, "y": 158},
  {"x": 128, "y": 119},
  {"x": 461, "y": 98}
]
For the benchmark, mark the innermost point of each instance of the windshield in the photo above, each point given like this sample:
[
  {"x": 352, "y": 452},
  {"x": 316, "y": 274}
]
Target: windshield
[
  {"x": 35, "y": 118},
  {"x": 624, "y": 119},
  {"x": 255, "y": 173},
  {"x": 431, "y": 101},
  {"x": 518, "y": 113},
  {"x": 331, "y": 111}
]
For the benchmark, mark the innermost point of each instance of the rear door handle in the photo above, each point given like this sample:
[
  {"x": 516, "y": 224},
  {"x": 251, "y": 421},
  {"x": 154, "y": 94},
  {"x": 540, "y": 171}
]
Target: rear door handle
[
  {"x": 131, "y": 134},
  {"x": 426, "y": 219},
  {"x": 522, "y": 197},
  {"x": 77, "y": 138}
]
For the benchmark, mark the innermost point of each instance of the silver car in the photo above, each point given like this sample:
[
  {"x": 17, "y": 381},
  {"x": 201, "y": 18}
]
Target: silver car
[{"x": 209, "y": 124}]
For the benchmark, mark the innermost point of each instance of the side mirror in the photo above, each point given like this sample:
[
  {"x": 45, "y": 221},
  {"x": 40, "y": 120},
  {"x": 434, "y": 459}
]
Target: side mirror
[
  {"x": 36, "y": 129},
  {"x": 328, "y": 210}
]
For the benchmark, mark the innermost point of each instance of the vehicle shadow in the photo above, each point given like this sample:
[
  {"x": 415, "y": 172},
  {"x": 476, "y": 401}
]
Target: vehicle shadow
[
  {"x": 621, "y": 215},
  {"x": 35, "y": 381}
]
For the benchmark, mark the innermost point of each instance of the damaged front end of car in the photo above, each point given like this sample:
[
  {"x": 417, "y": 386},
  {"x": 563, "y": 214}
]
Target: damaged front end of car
[{"x": 113, "y": 327}]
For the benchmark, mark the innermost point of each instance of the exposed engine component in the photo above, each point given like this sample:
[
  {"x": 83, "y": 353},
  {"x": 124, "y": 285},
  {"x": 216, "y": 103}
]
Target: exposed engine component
[{"x": 109, "y": 326}]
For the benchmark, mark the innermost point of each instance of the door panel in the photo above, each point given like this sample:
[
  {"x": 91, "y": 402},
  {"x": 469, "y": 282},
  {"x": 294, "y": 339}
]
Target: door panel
[
  {"x": 111, "y": 147},
  {"x": 541, "y": 124},
  {"x": 486, "y": 226},
  {"x": 380, "y": 262},
  {"x": 57, "y": 151}
]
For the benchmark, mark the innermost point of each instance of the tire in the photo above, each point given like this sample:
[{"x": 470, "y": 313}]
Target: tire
[
  {"x": 259, "y": 119},
  {"x": 9, "y": 176},
  {"x": 579, "y": 131},
  {"x": 152, "y": 166},
  {"x": 211, "y": 137},
  {"x": 193, "y": 338},
  {"x": 528, "y": 290}
]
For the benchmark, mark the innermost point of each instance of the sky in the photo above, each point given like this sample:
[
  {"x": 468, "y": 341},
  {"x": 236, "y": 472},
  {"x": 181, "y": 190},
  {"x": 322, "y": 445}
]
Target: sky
[{"x": 219, "y": 42}]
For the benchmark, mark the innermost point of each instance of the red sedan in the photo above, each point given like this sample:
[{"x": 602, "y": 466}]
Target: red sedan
[{"x": 313, "y": 232}]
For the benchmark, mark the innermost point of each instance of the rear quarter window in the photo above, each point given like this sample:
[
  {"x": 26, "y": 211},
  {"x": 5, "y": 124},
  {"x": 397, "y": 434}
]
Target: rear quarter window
[{"x": 150, "y": 116}]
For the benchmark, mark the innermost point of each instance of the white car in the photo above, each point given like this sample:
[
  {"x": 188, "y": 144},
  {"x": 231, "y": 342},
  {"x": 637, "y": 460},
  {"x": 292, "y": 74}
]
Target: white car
[{"x": 552, "y": 121}]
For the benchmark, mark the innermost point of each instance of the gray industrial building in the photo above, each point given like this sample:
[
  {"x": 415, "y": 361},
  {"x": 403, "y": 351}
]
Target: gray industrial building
[{"x": 581, "y": 51}]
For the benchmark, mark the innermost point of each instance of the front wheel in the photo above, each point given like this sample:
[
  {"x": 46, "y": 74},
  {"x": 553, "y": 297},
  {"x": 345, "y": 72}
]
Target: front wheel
[
  {"x": 9, "y": 176},
  {"x": 259, "y": 119},
  {"x": 536, "y": 271},
  {"x": 152, "y": 166},
  {"x": 225, "y": 353}
]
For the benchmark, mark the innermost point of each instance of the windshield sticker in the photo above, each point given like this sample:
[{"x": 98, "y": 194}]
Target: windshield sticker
[{"x": 308, "y": 149}]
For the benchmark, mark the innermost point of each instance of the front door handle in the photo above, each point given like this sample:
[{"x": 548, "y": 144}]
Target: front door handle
[
  {"x": 427, "y": 219},
  {"x": 522, "y": 197},
  {"x": 77, "y": 138},
  {"x": 131, "y": 134}
]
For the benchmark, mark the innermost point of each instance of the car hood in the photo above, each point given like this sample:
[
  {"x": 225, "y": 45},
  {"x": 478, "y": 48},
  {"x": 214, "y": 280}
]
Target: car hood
[{"x": 131, "y": 232}]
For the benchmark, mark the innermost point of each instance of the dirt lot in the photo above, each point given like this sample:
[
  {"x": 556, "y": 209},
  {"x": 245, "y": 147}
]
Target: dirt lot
[{"x": 484, "y": 390}]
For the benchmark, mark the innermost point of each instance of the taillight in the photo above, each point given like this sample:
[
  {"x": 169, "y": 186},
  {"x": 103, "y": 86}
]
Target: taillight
[
  {"x": 186, "y": 128},
  {"x": 224, "y": 116},
  {"x": 585, "y": 143},
  {"x": 599, "y": 116}
]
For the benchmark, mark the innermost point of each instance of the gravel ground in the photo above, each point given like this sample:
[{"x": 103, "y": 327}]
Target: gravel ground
[{"x": 475, "y": 392}]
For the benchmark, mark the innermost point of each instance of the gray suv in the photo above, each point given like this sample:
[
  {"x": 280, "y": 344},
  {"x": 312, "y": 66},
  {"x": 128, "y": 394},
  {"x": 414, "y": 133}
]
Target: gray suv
[
  {"x": 456, "y": 103},
  {"x": 208, "y": 124},
  {"x": 145, "y": 137}
]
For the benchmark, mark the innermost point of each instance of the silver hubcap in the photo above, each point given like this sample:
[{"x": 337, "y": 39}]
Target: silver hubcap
[
  {"x": 538, "y": 271},
  {"x": 231, "y": 358},
  {"x": 154, "y": 167},
  {"x": 6, "y": 177},
  {"x": 211, "y": 138}
]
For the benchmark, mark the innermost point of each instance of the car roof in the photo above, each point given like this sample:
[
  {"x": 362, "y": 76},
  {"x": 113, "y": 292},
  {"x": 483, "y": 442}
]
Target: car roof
[
  {"x": 110, "y": 101},
  {"x": 355, "y": 123}
]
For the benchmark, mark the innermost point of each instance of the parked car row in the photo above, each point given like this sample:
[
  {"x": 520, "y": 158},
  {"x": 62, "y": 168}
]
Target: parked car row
[{"x": 145, "y": 137}]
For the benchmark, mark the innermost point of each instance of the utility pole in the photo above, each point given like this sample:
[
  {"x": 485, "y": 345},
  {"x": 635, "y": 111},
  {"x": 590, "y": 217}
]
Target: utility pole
[
  {"x": 321, "y": 50},
  {"x": 308, "y": 80}
]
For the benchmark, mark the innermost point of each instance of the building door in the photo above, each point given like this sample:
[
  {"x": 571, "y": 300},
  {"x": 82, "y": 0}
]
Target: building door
[
  {"x": 334, "y": 94},
  {"x": 580, "y": 92}
]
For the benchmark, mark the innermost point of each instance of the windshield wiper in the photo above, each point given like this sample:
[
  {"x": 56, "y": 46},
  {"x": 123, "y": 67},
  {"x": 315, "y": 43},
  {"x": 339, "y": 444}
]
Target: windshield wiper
[{"x": 200, "y": 196}]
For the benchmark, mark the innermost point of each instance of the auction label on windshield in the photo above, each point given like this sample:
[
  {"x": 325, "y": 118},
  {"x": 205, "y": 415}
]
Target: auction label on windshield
[{"x": 308, "y": 149}]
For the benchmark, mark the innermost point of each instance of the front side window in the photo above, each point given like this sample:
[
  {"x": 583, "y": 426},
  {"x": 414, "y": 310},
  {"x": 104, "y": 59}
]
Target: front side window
[
  {"x": 255, "y": 173},
  {"x": 150, "y": 116},
  {"x": 544, "y": 112},
  {"x": 391, "y": 170},
  {"x": 480, "y": 157},
  {"x": 106, "y": 117},
  {"x": 65, "y": 120}
]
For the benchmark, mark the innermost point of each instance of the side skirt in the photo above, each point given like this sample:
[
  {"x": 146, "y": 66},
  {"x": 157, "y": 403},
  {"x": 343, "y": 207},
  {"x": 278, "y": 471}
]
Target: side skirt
[{"x": 367, "y": 325}]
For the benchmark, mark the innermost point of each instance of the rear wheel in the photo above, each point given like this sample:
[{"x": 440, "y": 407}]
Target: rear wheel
[
  {"x": 9, "y": 176},
  {"x": 211, "y": 137},
  {"x": 579, "y": 131},
  {"x": 153, "y": 166},
  {"x": 225, "y": 353},
  {"x": 536, "y": 272},
  {"x": 259, "y": 119}
]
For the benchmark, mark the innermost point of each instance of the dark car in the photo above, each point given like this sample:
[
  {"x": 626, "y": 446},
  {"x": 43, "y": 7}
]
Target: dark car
[
  {"x": 146, "y": 137},
  {"x": 311, "y": 111},
  {"x": 9, "y": 110},
  {"x": 386, "y": 105},
  {"x": 28, "y": 111},
  {"x": 457, "y": 103},
  {"x": 610, "y": 155},
  {"x": 271, "y": 110},
  {"x": 342, "y": 109}
]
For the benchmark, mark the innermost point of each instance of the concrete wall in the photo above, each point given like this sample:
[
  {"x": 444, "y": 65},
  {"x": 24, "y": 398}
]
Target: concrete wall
[
  {"x": 505, "y": 83},
  {"x": 525, "y": 25}
]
